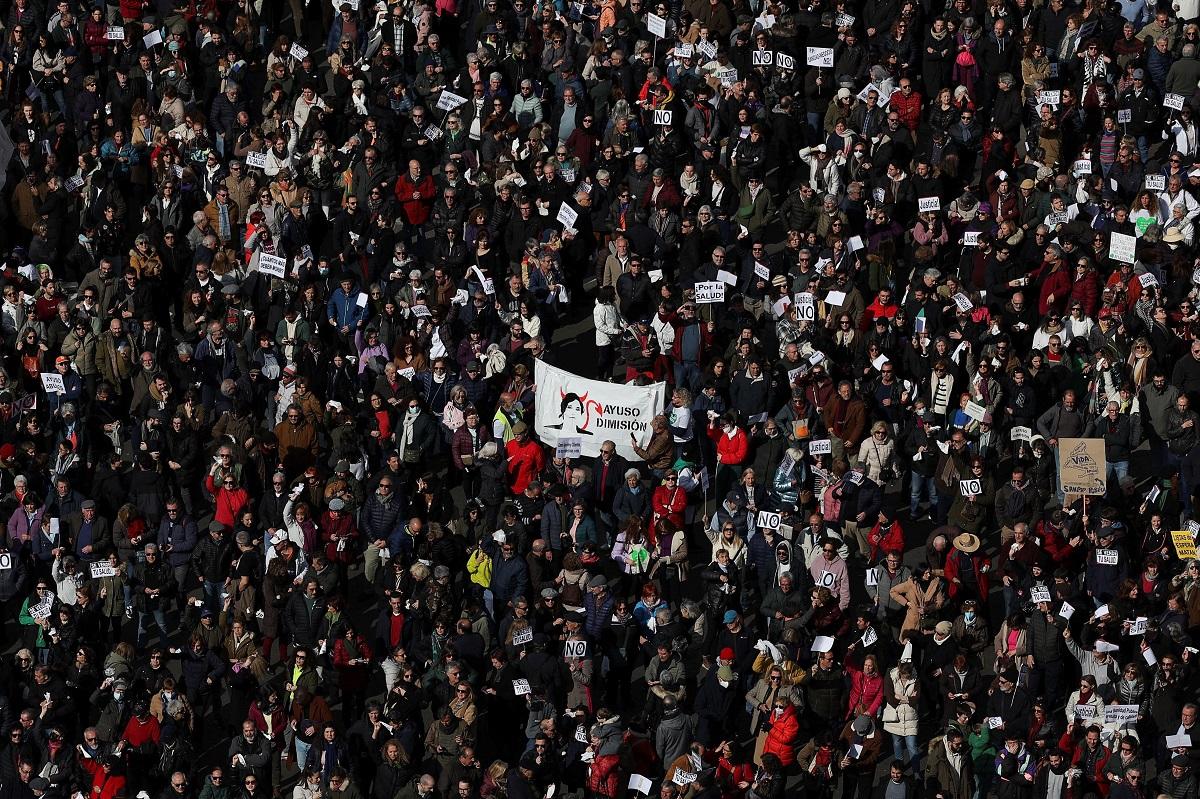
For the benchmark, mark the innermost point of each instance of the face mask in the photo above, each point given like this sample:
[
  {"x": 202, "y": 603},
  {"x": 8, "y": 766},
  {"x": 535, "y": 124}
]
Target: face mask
[
  {"x": 413, "y": 411},
  {"x": 118, "y": 695},
  {"x": 324, "y": 270},
  {"x": 83, "y": 239},
  {"x": 773, "y": 433},
  {"x": 724, "y": 683},
  {"x": 969, "y": 616}
]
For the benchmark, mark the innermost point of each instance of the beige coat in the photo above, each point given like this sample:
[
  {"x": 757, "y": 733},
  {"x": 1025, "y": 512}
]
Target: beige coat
[{"x": 918, "y": 602}]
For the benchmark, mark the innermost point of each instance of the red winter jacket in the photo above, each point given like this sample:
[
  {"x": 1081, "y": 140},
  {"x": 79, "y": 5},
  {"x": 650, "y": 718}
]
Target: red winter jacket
[
  {"x": 731, "y": 450},
  {"x": 604, "y": 777},
  {"x": 416, "y": 210},
  {"x": 781, "y": 738}
]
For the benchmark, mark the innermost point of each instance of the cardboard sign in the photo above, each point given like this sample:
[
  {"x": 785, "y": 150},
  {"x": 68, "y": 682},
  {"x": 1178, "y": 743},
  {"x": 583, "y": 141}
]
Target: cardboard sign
[
  {"x": 662, "y": 116},
  {"x": 708, "y": 292},
  {"x": 521, "y": 687},
  {"x": 962, "y": 302},
  {"x": 656, "y": 25},
  {"x": 1156, "y": 182},
  {"x": 727, "y": 77},
  {"x": 1174, "y": 101},
  {"x": 971, "y": 239},
  {"x": 272, "y": 265},
  {"x": 821, "y": 446},
  {"x": 762, "y": 271},
  {"x": 762, "y": 58},
  {"x": 768, "y": 519},
  {"x": 152, "y": 38},
  {"x": 1037, "y": 595},
  {"x": 784, "y": 61},
  {"x": 1120, "y": 714},
  {"x": 299, "y": 51},
  {"x": 844, "y": 20},
  {"x": 1085, "y": 711},
  {"x": 42, "y": 609},
  {"x": 53, "y": 383},
  {"x": 1082, "y": 465},
  {"x": 1147, "y": 279},
  {"x": 115, "y": 33},
  {"x": 682, "y": 778},
  {"x": 820, "y": 57},
  {"x": 567, "y": 216},
  {"x": 256, "y": 160},
  {"x": 1121, "y": 247},
  {"x": 975, "y": 411},
  {"x": 806, "y": 307},
  {"x": 569, "y": 447},
  {"x": 926, "y": 204},
  {"x": 1138, "y": 627},
  {"x": 822, "y": 643},
  {"x": 640, "y": 784},
  {"x": 684, "y": 50},
  {"x": 1083, "y": 166},
  {"x": 1021, "y": 434},
  {"x": 707, "y": 49},
  {"x": 1185, "y": 544},
  {"x": 523, "y": 636},
  {"x": 103, "y": 569},
  {"x": 447, "y": 102},
  {"x": 970, "y": 488},
  {"x": 575, "y": 649},
  {"x": 1108, "y": 557}
]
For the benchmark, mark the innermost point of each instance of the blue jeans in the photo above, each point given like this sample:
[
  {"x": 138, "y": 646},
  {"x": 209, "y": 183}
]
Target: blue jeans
[
  {"x": 160, "y": 618},
  {"x": 909, "y": 742},
  {"x": 920, "y": 481},
  {"x": 687, "y": 375}
]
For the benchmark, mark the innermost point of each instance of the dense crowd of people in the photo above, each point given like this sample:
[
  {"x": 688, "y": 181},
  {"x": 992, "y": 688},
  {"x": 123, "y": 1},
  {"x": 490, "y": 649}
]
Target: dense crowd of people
[{"x": 279, "y": 513}]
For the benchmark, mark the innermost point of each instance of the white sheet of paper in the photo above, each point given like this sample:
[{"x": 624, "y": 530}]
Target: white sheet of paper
[{"x": 822, "y": 643}]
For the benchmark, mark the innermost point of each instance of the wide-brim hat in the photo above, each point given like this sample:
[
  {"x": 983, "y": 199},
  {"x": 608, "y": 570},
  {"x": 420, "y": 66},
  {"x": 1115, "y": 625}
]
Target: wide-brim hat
[{"x": 966, "y": 542}]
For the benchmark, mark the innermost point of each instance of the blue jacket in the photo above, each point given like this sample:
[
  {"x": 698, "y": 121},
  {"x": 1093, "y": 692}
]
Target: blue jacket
[
  {"x": 182, "y": 538},
  {"x": 345, "y": 308},
  {"x": 626, "y": 503},
  {"x": 510, "y": 579}
]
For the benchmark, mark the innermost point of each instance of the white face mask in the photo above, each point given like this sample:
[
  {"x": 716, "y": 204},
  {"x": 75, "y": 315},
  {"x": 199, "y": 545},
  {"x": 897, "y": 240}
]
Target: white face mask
[{"x": 413, "y": 411}]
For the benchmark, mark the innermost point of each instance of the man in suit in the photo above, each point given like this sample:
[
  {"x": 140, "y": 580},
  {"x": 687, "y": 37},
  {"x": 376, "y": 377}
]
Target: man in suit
[{"x": 89, "y": 534}]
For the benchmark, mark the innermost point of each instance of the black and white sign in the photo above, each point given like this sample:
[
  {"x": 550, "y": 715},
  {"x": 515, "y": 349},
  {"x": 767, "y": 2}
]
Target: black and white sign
[
  {"x": 574, "y": 649},
  {"x": 762, "y": 58},
  {"x": 1107, "y": 557},
  {"x": 662, "y": 116},
  {"x": 820, "y": 57},
  {"x": 970, "y": 488},
  {"x": 710, "y": 291},
  {"x": 521, "y": 687},
  {"x": 926, "y": 204},
  {"x": 272, "y": 265},
  {"x": 768, "y": 519},
  {"x": 523, "y": 636}
]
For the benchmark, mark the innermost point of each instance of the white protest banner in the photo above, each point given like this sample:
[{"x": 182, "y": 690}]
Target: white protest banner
[
  {"x": 835, "y": 298},
  {"x": 763, "y": 271},
  {"x": 1053, "y": 98},
  {"x": 728, "y": 76},
  {"x": 1156, "y": 182},
  {"x": 1121, "y": 247},
  {"x": 1108, "y": 557},
  {"x": 1147, "y": 279},
  {"x": 53, "y": 383},
  {"x": 272, "y": 265},
  {"x": 489, "y": 286},
  {"x": 594, "y": 411},
  {"x": 768, "y": 519},
  {"x": 640, "y": 784},
  {"x": 707, "y": 49},
  {"x": 523, "y": 636},
  {"x": 1137, "y": 627},
  {"x": 728, "y": 278},
  {"x": 820, "y": 57},
  {"x": 656, "y": 25},
  {"x": 855, "y": 243},
  {"x": 806, "y": 307},
  {"x": 1124, "y": 116},
  {"x": 822, "y": 643},
  {"x": 762, "y": 58},
  {"x": 1083, "y": 166},
  {"x": 655, "y": 275},
  {"x": 1120, "y": 714},
  {"x": 1039, "y": 594},
  {"x": 873, "y": 577},
  {"x": 567, "y": 215},
  {"x": 115, "y": 33},
  {"x": 102, "y": 569},
  {"x": 1173, "y": 101},
  {"x": 448, "y": 101},
  {"x": 926, "y": 204},
  {"x": 1021, "y": 434},
  {"x": 784, "y": 61},
  {"x": 73, "y": 183},
  {"x": 574, "y": 649},
  {"x": 42, "y": 609},
  {"x": 820, "y": 446},
  {"x": 662, "y": 116},
  {"x": 1085, "y": 711},
  {"x": 569, "y": 446},
  {"x": 975, "y": 411},
  {"x": 1066, "y": 611},
  {"x": 962, "y": 301},
  {"x": 684, "y": 50},
  {"x": 971, "y": 238},
  {"x": 152, "y": 38},
  {"x": 256, "y": 160},
  {"x": 299, "y": 51},
  {"x": 970, "y": 488},
  {"x": 682, "y": 777},
  {"x": 1179, "y": 741},
  {"x": 869, "y": 637},
  {"x": 844, "y": 20},
  {"x": 521, "y": 687},
  {"x": 710, "y": 291},
  {"x": 6, "y": 561}
]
